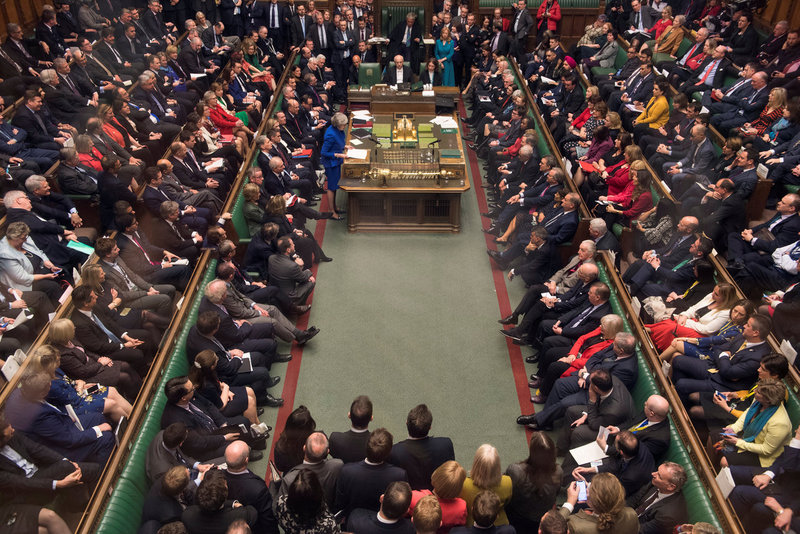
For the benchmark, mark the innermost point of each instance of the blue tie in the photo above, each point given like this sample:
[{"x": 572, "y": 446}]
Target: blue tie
[
  {"x": 795, "y": 253},
  {"x": 109, "y": 333}
]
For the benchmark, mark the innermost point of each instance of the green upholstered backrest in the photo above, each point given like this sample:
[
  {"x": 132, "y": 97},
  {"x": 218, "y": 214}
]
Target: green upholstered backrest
[
  {"x": 369, "y": 74},
  {"x": 391, "y": 16}
]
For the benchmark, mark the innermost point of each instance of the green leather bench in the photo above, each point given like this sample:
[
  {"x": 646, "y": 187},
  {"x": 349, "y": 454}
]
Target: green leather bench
[
  {"x": 124, "y": 510},
  {"x": 658, "y": 57},
  {"x": 622, "y": 57}
]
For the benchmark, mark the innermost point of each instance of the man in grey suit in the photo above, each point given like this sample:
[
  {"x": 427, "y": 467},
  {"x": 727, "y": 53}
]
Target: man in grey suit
[
  {"x": 165, "y": 452},
  {"x": 695, "y": 167},
  {"x": 315, "y": 458},
  {"x": 241, "y": 307},
  {"x": 289, "y": 275},
  {"x": 520, "y": 27},
  {"x": 610, "y": 403}
]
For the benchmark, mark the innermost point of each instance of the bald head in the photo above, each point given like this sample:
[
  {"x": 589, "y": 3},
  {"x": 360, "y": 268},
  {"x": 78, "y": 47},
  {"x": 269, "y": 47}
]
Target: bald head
[
  {"x": 656, "y": 408},
  {"x": 587, "y": 272},
  {"x": 316, "y": 448},
  {"x": 236, "y": 455}
]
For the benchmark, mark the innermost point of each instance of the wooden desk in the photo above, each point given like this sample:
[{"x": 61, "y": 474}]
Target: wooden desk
[{"x": 405, "y": 205}]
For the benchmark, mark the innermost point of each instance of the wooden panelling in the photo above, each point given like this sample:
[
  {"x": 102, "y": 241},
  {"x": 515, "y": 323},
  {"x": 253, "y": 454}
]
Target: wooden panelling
[
  {"x": 779, "y": 10},
  {"x": 23, "y": 12}
]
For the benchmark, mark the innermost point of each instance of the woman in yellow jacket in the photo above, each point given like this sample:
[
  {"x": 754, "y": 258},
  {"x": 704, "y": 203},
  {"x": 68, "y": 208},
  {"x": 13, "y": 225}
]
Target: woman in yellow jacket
[
  {"x": 486, "y": 475},
  {"x": 654, "y": 115},
  {"x": 758, "y": 436}
]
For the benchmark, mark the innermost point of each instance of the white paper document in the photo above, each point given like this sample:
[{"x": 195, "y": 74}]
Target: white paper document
[
  {"x": 550, "y": 81},
  {"x": 591, "y": 452},
  {"x": 197, "y": 75},
  {"x": 725, "y": 481},
  {"x": 357, "y": 153},
  {"x": 603, "y": 432},
  {"x": 356, "y": 142}
]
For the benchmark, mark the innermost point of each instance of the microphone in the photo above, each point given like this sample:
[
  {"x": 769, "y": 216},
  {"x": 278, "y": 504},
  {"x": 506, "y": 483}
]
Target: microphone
[
  {"x": 375, "y": 140},
  {"x": 434, "y": 142}
]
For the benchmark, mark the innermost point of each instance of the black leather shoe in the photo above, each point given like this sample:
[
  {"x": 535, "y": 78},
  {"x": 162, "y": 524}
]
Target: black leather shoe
[
  {"x": 304, "y": 336},
  {"x": 325, "y": 259},
  {"x": 533, "y": 358},
  {"x": 495, "y": 255},
  {"x": 260, "y": 411},
  {"x": 269, "y": 400},
  {"x": 534, "y": 382},
  {"x": 511, "y": 319},
  {"x": 526, "y": 419},
  {"x": 282, "y": 358},
  {"x": 492, "y": 230},
  {"x": 511, "y": 334},
  {"x": 538, "y": 399},
  {"x": 300, "y": 310},
  {"x": 273, "y": 381},
  {"x": 255, "y": 455}
]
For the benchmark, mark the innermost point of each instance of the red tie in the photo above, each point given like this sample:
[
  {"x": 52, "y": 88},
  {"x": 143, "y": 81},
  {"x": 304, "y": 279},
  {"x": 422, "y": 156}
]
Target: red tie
[{"x": 709, "y": 71}]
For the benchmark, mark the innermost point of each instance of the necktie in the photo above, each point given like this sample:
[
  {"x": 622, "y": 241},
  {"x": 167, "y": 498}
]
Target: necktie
[
  {"x": 576, "y": 267},
  {"x": 346, "y": 52},
  {"x": 689, "y": 54},
  {"x": 638, "y": 428},
  {"x": 108, "y": 72},
  {"x": 647, "y": 502},
  {"x": 516, "y": 22},
  {"x": 711, "y": 67},
  {"x": 39, "y": 121},
  {"x": 774, "y": 222},
  {"x": 273, "y": 16},
  {"x": 181, "y": 458},
  {"x": 735, "y": 87},
  {"x": 23, "y": 50},
  {"x": 8, "y": 58},
  {"x": 583, "y": 315},
  {"x": 322, "y": 42},
  {"x": 303, "y": 26},
  {"x": 350, "y": 26},
  {"x": 795, "y": 253},
  {"x": 554, "y": 219},
  {"x": 71, "y": 85},
  {"x": 116, "y": 54},
  {"x": 19, "y": 460},
  {"x": 753, "y": 96},
  {"x": 111, "y": 337},
  {"x": 157, "y": 102},
  {"x": 204, "y": 420},
  {"x": 407, "y": 37},
  {"x": 363, "y": 34}
]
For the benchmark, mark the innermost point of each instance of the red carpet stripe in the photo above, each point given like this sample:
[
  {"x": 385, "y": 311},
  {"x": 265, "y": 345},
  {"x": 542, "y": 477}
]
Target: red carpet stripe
[
  {"x": 293, "y": 370},
  {"x": 503, "y": 302}
]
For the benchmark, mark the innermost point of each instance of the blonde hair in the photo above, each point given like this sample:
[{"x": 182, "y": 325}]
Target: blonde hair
[
  {"x": 591, "y": 91},
  {"x": 91, "y": 276},
  {"x": 606, "y": 499},
  {"x": 45, "y": 359},
  {"x": 250, "y": 192},
  {"x": 61, "y": 332},
  {"x": 613, "y": 120},
  {"x": 485, "y": 471},
  {"x": 448, "y": 480}
]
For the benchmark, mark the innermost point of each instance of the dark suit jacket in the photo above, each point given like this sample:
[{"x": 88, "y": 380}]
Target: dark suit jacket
[
  {"x": 366, "y": 521},
  {"x": 192, "y": 62},
  {"x": 631, "y": 473},
  {"x": 111, "y": 190},
  {"x": 251, "y": 490},
  {"x": 24, "y": 118},
  {"x": 200, "y": 522},
  {"x": 425, "y": 78},
  {"x": 420, "y": 457},
  {"x": 360, "y": 485},
  {"x": 591, "y": 321},
  {"x": 92, "y": 337},
  {"x": 654, "y": 437},
  {"x": 133, "y": 256},
  {"x": 539, "y": 264},
  {"x": 313, "y": 32},
  {"x": 741, "y": 371},
  {"x": 612, "y": 410},
  {"x": 349, "y": 446},
  {"x": 159, "y": 508},
  {"x": 396, "y": 38},
  {"x": 661, "y": 517},
  {"x": 165, "y": 236},
  {"x": 74, "y": 182},
  {"x": 608, "y": 242},
  {"x": 785, "y": 232},
  {"x": 727, "y": 218},
  {"x": 45, "y": 234},
  {"x": 159, "y": 460},
  {"x": 228, "y": 334},
  {"x": 12, "y": 478},
  {"x": 199, "y": 443},
  {"x": 296, "y": 30},
  {"x": 18, "y": 56},
  {"x": 502, "y": 529},
  {"x": 561, "y": 226},
  {"x": 626, "y": 369},
  {"x": 390, "y": 77}
]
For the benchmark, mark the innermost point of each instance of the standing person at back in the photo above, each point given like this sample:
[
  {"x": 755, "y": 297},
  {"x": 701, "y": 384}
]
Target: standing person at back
[
  {"x": 420, "y": 454},
  {"x": 351, "y": 446}
]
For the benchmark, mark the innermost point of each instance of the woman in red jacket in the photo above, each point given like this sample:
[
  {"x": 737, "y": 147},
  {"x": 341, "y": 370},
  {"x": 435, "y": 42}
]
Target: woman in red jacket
[
  {"x": 548, "y": 15},
  {"x": 87, "y": 153},
  {"x": 227, "y": 124},
  {"x": 563, "y": 361},
  {"x": 640, "y": 200}
]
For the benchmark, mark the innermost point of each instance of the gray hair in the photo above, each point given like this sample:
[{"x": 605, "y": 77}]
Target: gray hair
[
  {"x": 34, "y": 182},
  {"x": 591, "y": 244},
  {"x": 527, "y": 150},
  {"x": 48, "y": 76},
  {"x": 11, "y": 198},
  {"x": 168, "y": 207},
  {"x": 626, "y": 342},
  {"x": 260, "y": 140},
  {"x": 209, "y": 96},
  {"x": 215, "y": 291},
  {"x": 59, "y": 62},
  {"x": 16, "y": 230},
  {"x": 274, "y": 162},
  {"x": 339, "y": 119},
  {"x": 598, "y": 225},
  {"x": 143, "y": 77}
]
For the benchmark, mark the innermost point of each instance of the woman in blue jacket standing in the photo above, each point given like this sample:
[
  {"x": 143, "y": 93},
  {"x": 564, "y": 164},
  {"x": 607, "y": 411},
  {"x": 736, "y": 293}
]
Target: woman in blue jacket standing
[{"x": 332, "y": 155}]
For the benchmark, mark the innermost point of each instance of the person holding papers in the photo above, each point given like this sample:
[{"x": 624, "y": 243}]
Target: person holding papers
[{"x": 333, "y": 154}]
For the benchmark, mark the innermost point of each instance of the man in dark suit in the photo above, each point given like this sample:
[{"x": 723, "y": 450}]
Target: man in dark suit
[
  {"x": 165, "y": 452},
  {"x": 361, "y": 484},
  {"x": 651, "y": 426},
  {"x": 274, "y": 21},
  {"x": 192, "y": 62},
  {"x": 405, "y": 40},
  {"x": 213, "y": 511},
  {"x": 156, "y": 265},
  {"x": 747, "y": 108},
  {"x": 608, "y": 402},
  {"x": 539, "y": 261},
  {"x": 421, "y": 454},
  {"x": 652, "y": 277},
  {"x": 722, "y": 214},
  {"x": 603, "y": 239},
  {"x": 397, "y": 73},
  {"x": 639, "y": 90},
  {"x": 732, "y": 366},
  {"x": 41, "y": 131},
  {"x": 779, "y": 231},
  {"x": 299, "y": 28},
  {"x": 499, "y": 41},
  {"x": 394, "y": 504},
  {"x": 694, "y": 168},
  {"x": 519, "y": 29},
  {"x": 28, "y": 412},
  {"x": 238, "y": 334},
  {"x": 99, "y": 333},
  {"x": 248, "y": 488},
  {"x": 32, "y": 473},
  {"x": 639, "y": 21},
  {"x": 167, "y": 498},
  {"x": 47, "y": 33},
  {"x": 710, "y": 74},
  {"x": 74, "y": 178},
  {"x": 107, "y": 50},
  {"x": 205, "y": 439},
  {"x": 19, "y": 50},
  {"x": 780, "y": 483},
  {"x": 173, "y": 235},
  {"x": 660, "y": 504},
  {"x": 344, "y": 44},
  {"x": 321, "y": 34},
  {"x": 630, "y": 461},
  {"x": 285, "y": 273},
  {"x": 153, "y": 22},
  {"x": 351, "y": 446}
]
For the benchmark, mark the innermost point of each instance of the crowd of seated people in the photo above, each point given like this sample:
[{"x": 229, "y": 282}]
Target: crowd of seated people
[{"x": 639, "y": 150}]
